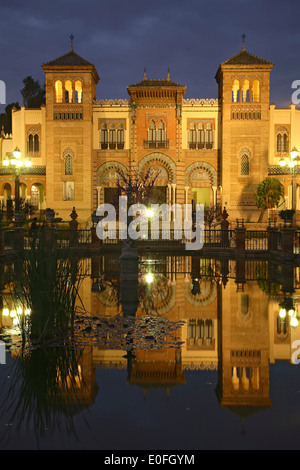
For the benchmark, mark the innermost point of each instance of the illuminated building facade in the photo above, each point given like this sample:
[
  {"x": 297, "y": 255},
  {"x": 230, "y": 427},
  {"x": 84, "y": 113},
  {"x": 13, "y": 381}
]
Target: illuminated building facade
[{"x": 207, "y": 150}]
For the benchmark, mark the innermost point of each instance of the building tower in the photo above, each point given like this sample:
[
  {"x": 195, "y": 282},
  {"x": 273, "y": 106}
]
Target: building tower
[
  {"x": 156, "y": 134},
  {"x": 70, "y": 91},
  {"x": 244, "y": 90}
]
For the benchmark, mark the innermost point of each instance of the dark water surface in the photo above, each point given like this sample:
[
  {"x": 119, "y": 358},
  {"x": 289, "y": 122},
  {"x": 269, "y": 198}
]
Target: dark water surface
[{"x": 185, "y": 354}]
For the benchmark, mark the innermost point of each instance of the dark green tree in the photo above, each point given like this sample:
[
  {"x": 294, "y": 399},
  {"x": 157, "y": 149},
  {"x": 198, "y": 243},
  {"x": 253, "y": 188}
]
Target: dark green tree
[
  {"x": 33, "y": 93},
  {"x": 269, "y": 193},
  {"x": 6, "y": 119}
]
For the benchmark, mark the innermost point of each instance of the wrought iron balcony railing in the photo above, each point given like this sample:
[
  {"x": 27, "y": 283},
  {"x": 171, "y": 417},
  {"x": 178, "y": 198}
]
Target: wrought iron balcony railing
[
  {"x": 112, "y": 145},
  {"x": 201, "y": 146},
  {"x": 158, "y": 144}
]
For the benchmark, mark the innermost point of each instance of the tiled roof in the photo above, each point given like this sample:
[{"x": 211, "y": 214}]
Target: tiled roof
[
  {"x": 148, "y": 82},
  {"x": 69, "y": 59},
  {"x": 245, "y": 58}
]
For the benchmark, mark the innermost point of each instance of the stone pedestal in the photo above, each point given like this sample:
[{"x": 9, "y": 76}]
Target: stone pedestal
[
  {"x": 240, "y": 233},
  {"x": 272, "y": 238},
  {"x": 287, "y": 243}
]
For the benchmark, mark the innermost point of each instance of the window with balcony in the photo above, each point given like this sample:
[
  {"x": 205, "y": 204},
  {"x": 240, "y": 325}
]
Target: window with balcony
[
  {"x": 120, "y": 136},
  {"x": 201, "y": 136},
  {"x": 112, "y": 140},
  {"x": 104, "y": 137},
  {"x": 209, "y": 140},
  {"x": 156, "y": 136},
  {"x": 112, "y": 135}
]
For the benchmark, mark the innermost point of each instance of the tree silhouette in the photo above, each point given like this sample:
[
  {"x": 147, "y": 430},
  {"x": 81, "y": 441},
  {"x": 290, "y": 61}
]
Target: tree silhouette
[{"x": 32, "y": 92}]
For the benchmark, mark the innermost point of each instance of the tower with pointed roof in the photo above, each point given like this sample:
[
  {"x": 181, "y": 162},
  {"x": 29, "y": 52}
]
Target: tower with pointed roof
[
  {"x": 70, "y": 90},
  {"x": 244, "y": 91}
]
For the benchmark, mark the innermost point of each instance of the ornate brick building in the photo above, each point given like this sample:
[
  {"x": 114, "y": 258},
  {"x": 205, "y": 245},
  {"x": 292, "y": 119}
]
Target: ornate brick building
[{"x": 207, "y": 150}]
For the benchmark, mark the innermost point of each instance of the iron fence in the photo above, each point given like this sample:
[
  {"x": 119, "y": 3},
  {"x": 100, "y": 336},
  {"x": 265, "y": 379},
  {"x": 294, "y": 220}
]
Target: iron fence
[{"x": 256, "y": 240}]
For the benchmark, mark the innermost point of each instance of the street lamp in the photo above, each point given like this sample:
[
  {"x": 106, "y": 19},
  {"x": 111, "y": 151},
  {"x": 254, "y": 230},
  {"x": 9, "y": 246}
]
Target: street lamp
[
  {"x": 288, "y": 311},
  {"x": 17, "y": 163},
  {"x": 292, "y": 164}
]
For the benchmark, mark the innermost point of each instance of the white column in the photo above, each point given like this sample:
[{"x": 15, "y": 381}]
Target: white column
[
  {"x": 214, "y": 188},
  {"x": 169, "y": 194},
  {"x": 174, "y": 198},
  {"x": 186, "y": 189}
]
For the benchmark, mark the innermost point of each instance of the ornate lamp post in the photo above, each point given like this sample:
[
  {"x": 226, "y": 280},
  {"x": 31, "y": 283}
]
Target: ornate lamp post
[
  {"x": 292, "y": 163},
  {"x": 17, "y": 163}
]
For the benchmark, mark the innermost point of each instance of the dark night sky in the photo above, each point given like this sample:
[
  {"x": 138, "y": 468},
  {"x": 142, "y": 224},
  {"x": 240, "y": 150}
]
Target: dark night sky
[{"x": 120, "y": 38}]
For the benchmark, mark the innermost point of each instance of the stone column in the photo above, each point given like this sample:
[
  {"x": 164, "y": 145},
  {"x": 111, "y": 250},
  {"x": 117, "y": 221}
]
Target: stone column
[
  {"x": 186, "y": 201},
  {"x": 214, "y": 188},
  {"x": 99, "y": 195},
  {"x": 174, "y": 199},
  {"x": 169, "y": 195}
]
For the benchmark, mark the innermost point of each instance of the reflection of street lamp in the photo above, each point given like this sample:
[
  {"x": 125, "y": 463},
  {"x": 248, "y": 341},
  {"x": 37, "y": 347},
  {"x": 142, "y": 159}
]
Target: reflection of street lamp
[
  {"x": 149, "y": 278},
  {"x": 292, "y": 163},
  {"x": 17, "y": 163},
  {"x": 15, "y": 314}
]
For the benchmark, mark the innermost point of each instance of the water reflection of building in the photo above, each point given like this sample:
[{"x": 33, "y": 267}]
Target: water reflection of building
[
  {"x": 229, "y": 319},
  {"x": 244, "y": 348},
  {"x": 231, "y": 323}
]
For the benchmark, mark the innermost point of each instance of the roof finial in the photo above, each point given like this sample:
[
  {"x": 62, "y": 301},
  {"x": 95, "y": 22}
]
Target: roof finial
[
  {"x": 72, "y": 38},
  {"x": 168, "y": 77},
  {"x": 145, "y": 76},
  {"x": 244, "y": 37}
]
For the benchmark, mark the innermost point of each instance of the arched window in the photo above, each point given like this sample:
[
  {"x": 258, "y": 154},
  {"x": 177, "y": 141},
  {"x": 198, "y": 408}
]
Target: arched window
[
  {"x": 245, "y": 304},
  {"x": 152, "y": 135},
  {"x": 161, "y": 134},
  {"x": 104, "y": 136},
  {"x": 285, "y": 143},
  {"x": 58, "y": 91},
  {"x": 279, "y": 143},
  {"x": 256, "y": 91},
  {"x": 209, "y": 136},
  {"x": 246, "y": 91},
  {"x": 245, "y": 166},
  {"x": 112, "y": 136},
  {"x": 236, "y": 91},
  {"x": 68, "y": 165},
  {"x": 78, "y": 91},
  {"x": 192, "y": 136},
  {"x": 33, "y": 144},
  {"x": 30, "y": 143},
  {"x": 282, "y": 140},
  {"x": 120, "y": 136},
  {"x": 201, "y": 136},
  {"x": 36, "y": 144},
  {"x": 68, "y": 91}
]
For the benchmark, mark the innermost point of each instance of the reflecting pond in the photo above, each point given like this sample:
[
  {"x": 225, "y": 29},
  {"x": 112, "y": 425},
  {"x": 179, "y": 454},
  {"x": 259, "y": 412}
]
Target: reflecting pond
[{"x": 164, "y": 352}]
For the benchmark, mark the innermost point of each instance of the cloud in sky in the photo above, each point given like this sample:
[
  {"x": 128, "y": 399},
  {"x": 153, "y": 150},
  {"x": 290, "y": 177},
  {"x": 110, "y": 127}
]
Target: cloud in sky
[{"x": 121, "y": 38}]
